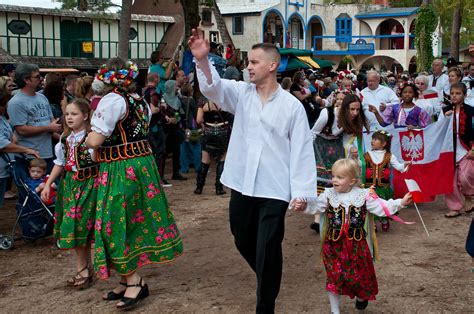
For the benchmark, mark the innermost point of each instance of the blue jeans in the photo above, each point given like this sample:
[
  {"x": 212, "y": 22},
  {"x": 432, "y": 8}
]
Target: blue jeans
[{"x": 190, "y": 152}]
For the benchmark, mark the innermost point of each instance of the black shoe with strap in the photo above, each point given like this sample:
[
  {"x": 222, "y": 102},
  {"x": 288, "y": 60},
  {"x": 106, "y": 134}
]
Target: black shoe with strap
[
  {"x": 112, "y": 296},
  {"x": 127, "y": 302},
  {"x": 361, "y": 305}
]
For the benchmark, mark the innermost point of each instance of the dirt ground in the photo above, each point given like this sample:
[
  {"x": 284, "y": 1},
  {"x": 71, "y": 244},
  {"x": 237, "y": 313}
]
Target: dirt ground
[{"x": 415, "y": 273}]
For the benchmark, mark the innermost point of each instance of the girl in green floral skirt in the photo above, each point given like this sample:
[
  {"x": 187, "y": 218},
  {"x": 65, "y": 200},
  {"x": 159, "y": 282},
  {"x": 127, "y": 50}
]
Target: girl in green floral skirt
[
  {"x": 76, "y": 200},
  {"x": 134, "y": 226}
]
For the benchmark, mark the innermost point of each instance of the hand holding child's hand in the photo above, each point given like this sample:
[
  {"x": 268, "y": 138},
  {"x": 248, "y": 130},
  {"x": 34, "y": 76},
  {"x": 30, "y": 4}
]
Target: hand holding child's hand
[
  {"x": 407, "y": 199},
  {"x": 45, "y": 193},
  {"x": 299, "y": 205}
]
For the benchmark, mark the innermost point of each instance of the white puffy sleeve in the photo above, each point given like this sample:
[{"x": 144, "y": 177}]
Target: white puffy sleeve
[
  {"x": 111, "y": 108},
  {"x": 376, "y": 205},
  {"x": 396, "y": 164},
  {"x": 319, "y": 205},
  {"x": 320, "y": 123},
  {"x": 59, "y": 152}
]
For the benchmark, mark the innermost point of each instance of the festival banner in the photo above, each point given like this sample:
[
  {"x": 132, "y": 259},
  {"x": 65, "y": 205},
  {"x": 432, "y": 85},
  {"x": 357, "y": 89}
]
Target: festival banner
[{"x": 432, "y": 154}]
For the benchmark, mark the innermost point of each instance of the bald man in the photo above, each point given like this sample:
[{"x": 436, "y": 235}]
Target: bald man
[
  {"x": 438, "y": 80},
  {"x": 378, "y": 96},
  {"x": 269, "y": 162}
]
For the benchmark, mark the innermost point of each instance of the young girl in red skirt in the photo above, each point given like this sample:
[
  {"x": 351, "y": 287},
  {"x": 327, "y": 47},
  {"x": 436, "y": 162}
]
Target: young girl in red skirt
[{"x": 347, "y": 232}]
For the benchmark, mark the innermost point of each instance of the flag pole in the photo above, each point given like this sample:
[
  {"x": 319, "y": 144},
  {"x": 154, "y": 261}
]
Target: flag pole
[{"x": 419, "y": 215}]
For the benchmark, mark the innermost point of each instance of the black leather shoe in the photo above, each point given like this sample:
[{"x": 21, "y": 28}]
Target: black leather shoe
[
  {"x": 361, "y": 305},
  {"x": 178, "y": 177},
  {"x": 128, "y": 303},
  {"x": 112, "y": 296},
  {"x": 315, "y": 226}
]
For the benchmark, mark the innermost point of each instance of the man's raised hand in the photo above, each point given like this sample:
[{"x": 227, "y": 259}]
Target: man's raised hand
[{"x": 199, "y": 45}]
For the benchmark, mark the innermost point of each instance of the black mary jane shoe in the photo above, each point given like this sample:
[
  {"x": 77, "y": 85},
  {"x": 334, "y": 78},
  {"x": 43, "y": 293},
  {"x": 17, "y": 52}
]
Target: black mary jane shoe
[
  {"x": 128, "y": 303},
  {"x": 361, "y": 305},
  {"x": 112, "y": 296},
  {"x": 315, "y": 226}
]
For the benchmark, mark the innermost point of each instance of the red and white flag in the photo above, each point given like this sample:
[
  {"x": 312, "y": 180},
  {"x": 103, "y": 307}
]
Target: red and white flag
[
  {"x": 414, "y": 190},
  {"x": 432, "y": 153}
]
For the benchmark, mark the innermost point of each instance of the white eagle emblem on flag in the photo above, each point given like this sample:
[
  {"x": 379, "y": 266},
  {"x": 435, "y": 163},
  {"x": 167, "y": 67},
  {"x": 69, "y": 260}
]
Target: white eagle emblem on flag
[{"x": 412, "y": 145}]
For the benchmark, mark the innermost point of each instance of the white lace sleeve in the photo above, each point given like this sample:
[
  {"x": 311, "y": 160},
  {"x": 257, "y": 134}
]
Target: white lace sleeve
[
  {"x": 375, "y": 205},
  {"x": 111, "y": 108},
  {"x": 319, "y": 205},
  {"x": 59, "y": 151}
]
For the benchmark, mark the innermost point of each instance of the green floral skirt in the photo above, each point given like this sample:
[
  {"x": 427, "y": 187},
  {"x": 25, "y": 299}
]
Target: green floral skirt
[
  {"x": 75, "y": 212},
  {"x": 134, "y": 226}
]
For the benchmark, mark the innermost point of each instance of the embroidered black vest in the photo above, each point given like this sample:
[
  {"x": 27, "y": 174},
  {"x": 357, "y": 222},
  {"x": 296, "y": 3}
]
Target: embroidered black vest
[
  {"x": 85, "y": 167},
  {"x": 129, "y": 138},
  {"x": 336, "y": 220},
  {"x": 378, "y": 175}
]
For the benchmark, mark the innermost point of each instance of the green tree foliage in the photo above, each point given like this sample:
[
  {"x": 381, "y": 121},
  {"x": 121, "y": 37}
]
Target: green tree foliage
[
  {"x": 445, "y": 10},
  {"x": 424, "y": 27},
  {"x": 405, "y": 3},
  {"x": 86, "y": 5}
]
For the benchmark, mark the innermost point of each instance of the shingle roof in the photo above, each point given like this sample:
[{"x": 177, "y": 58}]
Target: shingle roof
[
  {"x": 238, "y": 8},
  {"x": 388, "y": 12},
  {"x": 86, "y": 14},
  {"x": 6, "y": 58}
]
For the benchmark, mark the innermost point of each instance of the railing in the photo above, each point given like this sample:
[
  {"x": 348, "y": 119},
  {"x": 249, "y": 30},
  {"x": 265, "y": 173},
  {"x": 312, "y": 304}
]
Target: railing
[
  {"x": 56, "y": 47},
  {"x": 381, "y": 37}
]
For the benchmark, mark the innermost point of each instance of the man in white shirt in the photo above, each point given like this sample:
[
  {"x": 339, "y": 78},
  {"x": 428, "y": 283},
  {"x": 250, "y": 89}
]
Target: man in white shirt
[
  {"x": 270, "y": 159},
  {"x": 438, "y": 80},
  {"x": 376, "y": 95}
]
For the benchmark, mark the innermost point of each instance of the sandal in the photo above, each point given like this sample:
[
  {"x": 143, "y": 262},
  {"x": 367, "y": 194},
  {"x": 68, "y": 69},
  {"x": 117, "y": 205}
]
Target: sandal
[
  {"x": 452, "y": 214},
  {"x": 80, "y": 282},
  {"x": 112, "y": 296},
  {"x": 127, "y": 303},
  {"x": 469, "y": 210}
]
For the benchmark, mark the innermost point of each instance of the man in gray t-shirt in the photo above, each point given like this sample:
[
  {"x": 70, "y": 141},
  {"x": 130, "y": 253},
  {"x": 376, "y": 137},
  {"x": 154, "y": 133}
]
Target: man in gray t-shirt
[{"x": 30, "y": 113}]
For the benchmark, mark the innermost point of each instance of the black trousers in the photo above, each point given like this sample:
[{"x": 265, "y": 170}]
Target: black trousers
[{"x": 258, "y": 226}]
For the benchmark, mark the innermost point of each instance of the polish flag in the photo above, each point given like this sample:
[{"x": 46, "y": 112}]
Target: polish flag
[
  {"x": 432, "y": 152},
  {"x": 414, "y": 190}
]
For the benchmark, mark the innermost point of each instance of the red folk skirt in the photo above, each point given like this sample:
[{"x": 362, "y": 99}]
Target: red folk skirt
[{"x": 349, "y": 268}]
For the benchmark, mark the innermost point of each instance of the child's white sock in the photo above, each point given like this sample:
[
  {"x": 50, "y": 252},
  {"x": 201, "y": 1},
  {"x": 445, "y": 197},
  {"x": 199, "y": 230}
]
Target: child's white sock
[{"x": 334, "y": 300}]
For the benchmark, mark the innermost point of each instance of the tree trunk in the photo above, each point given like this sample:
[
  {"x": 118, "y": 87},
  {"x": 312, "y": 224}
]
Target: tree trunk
[
  {"x": 191, "y": 18},
  {"x": 457, "y": 16},
  {"x": 124, "y": 35}
]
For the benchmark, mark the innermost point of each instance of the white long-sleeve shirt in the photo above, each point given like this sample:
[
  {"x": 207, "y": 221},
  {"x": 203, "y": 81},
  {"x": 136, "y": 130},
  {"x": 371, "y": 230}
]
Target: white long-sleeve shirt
[
  {"x": 322, "y": 121},
  {"x": 381, "y": 94},
  {"x": 270, "y": 152},
  {"x": 356, "y": 197},
  {"x": 441, "y": 83}
]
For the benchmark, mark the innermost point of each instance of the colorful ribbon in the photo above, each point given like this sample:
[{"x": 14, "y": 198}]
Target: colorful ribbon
[{"x": 374, "y": 196}]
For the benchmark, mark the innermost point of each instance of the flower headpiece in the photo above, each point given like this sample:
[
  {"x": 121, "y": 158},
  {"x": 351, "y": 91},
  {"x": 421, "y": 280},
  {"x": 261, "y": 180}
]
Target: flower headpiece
[
  {"x": 346, "y": 74},
  {"x": 122, "y": 77},
  {"x": 385, "y": 133}
]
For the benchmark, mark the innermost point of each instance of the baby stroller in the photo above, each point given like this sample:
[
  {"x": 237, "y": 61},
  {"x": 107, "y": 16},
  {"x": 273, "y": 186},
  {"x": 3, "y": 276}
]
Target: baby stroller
[{"x": 32, "y": 215}]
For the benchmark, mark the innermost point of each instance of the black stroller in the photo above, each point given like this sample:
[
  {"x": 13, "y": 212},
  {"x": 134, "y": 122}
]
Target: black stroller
[{"x": 35, "y": 219}]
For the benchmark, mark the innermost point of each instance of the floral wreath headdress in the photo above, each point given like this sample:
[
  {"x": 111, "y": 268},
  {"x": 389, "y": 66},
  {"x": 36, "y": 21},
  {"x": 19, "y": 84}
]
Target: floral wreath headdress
[
  {"x": 122, "y": 77},
  {"x": 385, "y": 133}
]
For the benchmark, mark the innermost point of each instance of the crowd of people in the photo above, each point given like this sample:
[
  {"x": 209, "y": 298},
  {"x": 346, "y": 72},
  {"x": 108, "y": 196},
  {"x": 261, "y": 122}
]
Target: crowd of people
[{"x": 97, "y": 146}]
